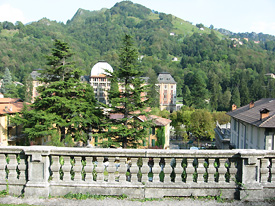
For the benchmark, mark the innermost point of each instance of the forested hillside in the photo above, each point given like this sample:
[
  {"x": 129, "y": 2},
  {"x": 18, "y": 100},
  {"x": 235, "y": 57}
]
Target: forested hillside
[{"x": 213, "y": 69}]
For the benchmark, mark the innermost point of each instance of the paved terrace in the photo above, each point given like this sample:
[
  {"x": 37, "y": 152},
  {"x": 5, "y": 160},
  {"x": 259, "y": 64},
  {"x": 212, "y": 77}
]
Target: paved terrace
[{"x": 40, "y": 171}]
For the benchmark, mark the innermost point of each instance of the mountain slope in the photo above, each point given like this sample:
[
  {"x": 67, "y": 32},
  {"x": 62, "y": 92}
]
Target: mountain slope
[{"x": 96, "y": 35}]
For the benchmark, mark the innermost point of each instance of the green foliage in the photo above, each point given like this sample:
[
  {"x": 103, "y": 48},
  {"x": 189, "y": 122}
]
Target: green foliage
[
  {"x": 221, "y": 64},
  {"x": 80, "y": 196},
  {"x": 161, "y": 137},
  {"x": 127, "y": 131},
  {"x": 221, "y": 117},
  {"x": 6, "y": 191},
  {"x": 66, "y": 108},
  {"x": 8, "y": 88}
]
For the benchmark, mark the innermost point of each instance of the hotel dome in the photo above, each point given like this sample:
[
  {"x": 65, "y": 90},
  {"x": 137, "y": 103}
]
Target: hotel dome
[{"x": 100, "y": 68}]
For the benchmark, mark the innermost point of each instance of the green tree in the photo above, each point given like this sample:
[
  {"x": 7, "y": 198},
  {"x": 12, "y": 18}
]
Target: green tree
[
  {"x": 215, "y": 89},
  {"x": 66, "y": 109},
  {"x": 8, "y": 88},
  {"x": 129, "y": 130},
  {"x": 153, "y": 92},
  {"x": 236, "y": 99},
  {"x": 202, "y": 124},
  {"x": 161, "y": 137},
  {"x": 187, "y": 98}
]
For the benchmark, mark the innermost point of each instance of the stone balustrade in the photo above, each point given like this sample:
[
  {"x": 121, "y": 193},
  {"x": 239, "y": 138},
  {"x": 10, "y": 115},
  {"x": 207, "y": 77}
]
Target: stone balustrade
[{"x": 42, "y": 171}]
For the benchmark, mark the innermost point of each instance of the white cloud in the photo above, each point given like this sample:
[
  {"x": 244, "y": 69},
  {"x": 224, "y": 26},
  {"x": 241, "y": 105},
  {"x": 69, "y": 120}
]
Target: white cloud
[
  {"x": 8, "y": 13},
  {"x": 264, "y": 27}
]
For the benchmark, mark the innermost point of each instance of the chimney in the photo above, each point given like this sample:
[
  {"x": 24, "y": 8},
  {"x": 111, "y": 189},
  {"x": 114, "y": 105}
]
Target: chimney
[
  {"x": 234, "y": 106},
  {"x": 251, "y": 104},
  {"x": 264, "y": 113}
]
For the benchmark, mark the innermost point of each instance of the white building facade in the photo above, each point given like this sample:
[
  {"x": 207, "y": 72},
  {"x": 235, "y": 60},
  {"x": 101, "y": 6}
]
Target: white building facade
[{"x": 253, "y": 125}]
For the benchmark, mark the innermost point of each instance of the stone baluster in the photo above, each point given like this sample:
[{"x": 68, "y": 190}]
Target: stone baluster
[
  {"x": 264, "y": 170},
  {"x": 222, "y": 170},
  {"x": 55, "y": 167},
  {"x": 89, "y": 169},
  {"x": 100, "y": 169},
  {"x": 77, "y": 169},
  {"x": 233, "y": 171},
  {"x": 22, "y": 167},
  {"x": 273, "y": 170},
  {"x": 111, "y": 169},
  {"x": 178, "y": 170},
  {"x": 200, "y": 170},
  {"x": 167, "y": 170},
  {"x": 156, "y": 170},
  {"x": 3, "y": 164},
  {"x": 189, "y": 170},
  {"x": 12, "y": 166},
  {"x": 134, "y": 169},
  {"x": 67, "y": 168},
  {"x": 211, "y": 170},
  {"x": 145, "y": 170},
  {"x": 122, "y": 169}
]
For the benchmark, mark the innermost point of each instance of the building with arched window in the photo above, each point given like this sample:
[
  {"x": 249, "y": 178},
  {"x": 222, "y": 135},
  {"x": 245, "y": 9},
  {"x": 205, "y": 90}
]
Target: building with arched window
[{"x": 99, "y": 80}]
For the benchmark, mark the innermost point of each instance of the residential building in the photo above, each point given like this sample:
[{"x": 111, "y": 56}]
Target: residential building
[
  {"x": 35, "y": 83},
  {"x": 253, "y": 125},
  {"x": 151, "y": 139},
  {"x": 167, "y": 91},
  {"x": 10, "y": 134},
  {"x": 99, "y": 80},
  {"x": 222, "y": 136}
]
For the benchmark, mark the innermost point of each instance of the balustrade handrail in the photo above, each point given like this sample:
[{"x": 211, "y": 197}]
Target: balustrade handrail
[{"x": 42, "y": 170}]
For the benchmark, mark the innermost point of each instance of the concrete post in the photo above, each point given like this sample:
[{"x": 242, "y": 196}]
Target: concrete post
[
  {"x": 38, "y": 171},
  {"x": 250, "y": 187}
]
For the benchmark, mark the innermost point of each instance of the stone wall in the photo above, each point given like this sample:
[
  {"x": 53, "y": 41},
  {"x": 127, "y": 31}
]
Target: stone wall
[{"x": 42, "y": 171}]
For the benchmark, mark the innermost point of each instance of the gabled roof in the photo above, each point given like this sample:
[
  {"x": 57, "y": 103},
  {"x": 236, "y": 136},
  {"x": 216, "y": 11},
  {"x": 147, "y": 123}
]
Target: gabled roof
[
  {"x": 252, "y": 115},
  {"x": 165, "y": 78},
  {"x": 157, "y": 121}
]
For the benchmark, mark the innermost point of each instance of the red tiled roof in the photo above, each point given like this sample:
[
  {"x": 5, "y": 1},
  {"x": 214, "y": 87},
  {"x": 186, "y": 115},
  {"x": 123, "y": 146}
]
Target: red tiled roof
[
  {"x": 158, "y": 121},
  {"x": 10, "y": 105}
]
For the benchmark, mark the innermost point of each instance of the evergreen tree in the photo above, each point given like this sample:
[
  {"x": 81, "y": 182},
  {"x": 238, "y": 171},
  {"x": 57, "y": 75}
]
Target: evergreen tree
[
  {"x": 215, "y": 89},
  {"x": 8, "y": 88},
  {"x": 129, "y": 130},
  {"x": 153, "y": 92},
  {"x": 28, "y": 88},
  {"x": 236, "y": 99},
  {"x": 187, "y": 98},
  {"x": 66, "y": 109},
  {"x": 161, "y": 137}
]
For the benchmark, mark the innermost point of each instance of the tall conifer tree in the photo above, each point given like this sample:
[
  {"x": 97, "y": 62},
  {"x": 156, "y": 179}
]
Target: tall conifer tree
[
  {"x": 8, "y": 88},
  {"x": 66, "y": 108},
  {"x": 128, "y": 130}
]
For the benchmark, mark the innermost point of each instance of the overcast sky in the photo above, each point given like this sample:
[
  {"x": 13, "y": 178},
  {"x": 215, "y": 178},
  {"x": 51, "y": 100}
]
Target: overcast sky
[{"x": 235, "y": 15}]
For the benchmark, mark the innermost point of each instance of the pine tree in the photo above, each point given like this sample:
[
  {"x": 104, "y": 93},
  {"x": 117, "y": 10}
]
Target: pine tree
[
  {"x": 153, "y": 92},
  {"x": 8, "y": 88},
  {"x": 129, "y": 130},
  {"x": 236, "y": 99},
  {"x": 187, "y": 98},
  {"x": 66, "y": 108}
]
